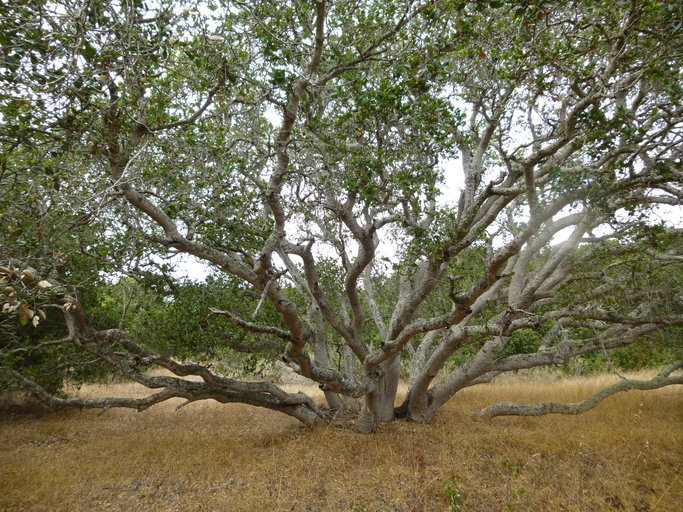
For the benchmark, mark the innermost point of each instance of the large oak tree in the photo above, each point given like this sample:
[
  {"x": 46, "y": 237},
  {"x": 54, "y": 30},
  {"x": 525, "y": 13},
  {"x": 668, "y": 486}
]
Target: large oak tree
[{"x": 300, "y": 148}]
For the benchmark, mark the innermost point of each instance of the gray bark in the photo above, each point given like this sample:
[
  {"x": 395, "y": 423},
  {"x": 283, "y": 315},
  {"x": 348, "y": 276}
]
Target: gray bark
[
  {"x": 388, "y": 388},
  {"x": 322, "y": 356},
  {"x": 510, "y": 409}
]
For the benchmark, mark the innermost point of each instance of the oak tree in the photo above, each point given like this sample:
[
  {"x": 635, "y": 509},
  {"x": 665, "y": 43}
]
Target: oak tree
[{"x": 300, "y": 148}]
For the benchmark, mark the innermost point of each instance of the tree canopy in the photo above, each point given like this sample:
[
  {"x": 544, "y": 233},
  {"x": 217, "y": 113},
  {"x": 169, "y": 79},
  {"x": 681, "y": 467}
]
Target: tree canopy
[{"x": 300, "y": 148}]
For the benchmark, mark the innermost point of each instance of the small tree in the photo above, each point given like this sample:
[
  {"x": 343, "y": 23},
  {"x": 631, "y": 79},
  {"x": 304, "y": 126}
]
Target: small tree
[{"x": 300, "y": 148}]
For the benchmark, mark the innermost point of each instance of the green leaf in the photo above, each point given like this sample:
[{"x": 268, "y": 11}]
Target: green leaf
[{"x": 88, "y": 51}]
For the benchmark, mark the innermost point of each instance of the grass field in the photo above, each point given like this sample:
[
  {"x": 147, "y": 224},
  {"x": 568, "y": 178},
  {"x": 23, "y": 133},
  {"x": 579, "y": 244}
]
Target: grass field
[{"x": 626, "y": 455}]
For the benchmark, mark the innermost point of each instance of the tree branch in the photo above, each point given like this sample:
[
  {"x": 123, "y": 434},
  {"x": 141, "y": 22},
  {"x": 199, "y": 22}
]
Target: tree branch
[
  {"x": 249, "y": 326},
  {"x": 512, "y": 409}
]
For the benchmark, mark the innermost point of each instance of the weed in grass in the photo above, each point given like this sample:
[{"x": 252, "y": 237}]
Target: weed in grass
[
  {"x": 515, "y": 468},
  {"x": 514, "y": 505},
  {"x": 455, "y": 495}
]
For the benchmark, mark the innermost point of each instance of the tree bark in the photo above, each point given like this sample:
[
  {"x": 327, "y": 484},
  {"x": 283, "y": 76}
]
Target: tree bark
[
  {"x": 511, "y": 409},
  {"x": 389, "y": 387}
]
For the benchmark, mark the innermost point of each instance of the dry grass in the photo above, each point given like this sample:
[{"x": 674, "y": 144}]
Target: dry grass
[{"x": 625, "y": 455}]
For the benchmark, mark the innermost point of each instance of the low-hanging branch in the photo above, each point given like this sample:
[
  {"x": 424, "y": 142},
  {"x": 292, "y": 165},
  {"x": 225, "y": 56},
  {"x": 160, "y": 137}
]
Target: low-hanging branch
[{"x": 662, "y": 379}]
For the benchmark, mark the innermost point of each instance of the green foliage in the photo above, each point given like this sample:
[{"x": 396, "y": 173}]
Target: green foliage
[
  {"x": 524, "y": 341},
  {"x": 171, "y": 319},
  {"x": 654, "y": 351},
  {"x": 31, "y": 326},
  {"x": 455, "y": 496},
  {"x": 178, "y": 322},
  {"x": 237, "y": 131},
  {"x": 648, "y": 352}
]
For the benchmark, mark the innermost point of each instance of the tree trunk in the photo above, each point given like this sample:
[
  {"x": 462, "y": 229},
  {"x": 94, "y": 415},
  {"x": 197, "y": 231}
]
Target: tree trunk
[
  {"x": 417, "y": 407},
  {"x": 350, "y": 368},
  {"x": 378, "y": 405},
  {"x": 388, "y": 388},
  {"x": 322, "y": 357},
  {"x": 368, "y": 417}
]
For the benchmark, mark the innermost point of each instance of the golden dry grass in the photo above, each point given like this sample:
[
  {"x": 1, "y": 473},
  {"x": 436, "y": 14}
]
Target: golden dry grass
[{"x": 624, "y": 455}]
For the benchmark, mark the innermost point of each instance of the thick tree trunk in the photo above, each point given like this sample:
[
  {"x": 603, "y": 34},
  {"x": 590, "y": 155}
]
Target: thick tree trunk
[
  {"x": 350, "y": 368},
  {"x": 388, "y": 388},
  {"x": 419, "y": 410},
  {"x": 321, "y": 355},
  {"x": 334, "y": 402},
  {"x": 417, "y": 407},
  {"x": 378, "y": 405},
  {"x": 368, "y": 418}
]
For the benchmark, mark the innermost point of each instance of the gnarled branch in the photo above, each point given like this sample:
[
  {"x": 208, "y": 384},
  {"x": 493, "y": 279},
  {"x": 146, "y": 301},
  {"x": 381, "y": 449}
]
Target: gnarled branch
[{"x": 664, "y": 378}]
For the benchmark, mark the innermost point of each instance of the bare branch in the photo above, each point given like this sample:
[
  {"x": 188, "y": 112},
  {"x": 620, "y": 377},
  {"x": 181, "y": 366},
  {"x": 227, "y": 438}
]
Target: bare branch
[
  {"x": 249, "y": 326},
  {"x": 511, "y": 409}
]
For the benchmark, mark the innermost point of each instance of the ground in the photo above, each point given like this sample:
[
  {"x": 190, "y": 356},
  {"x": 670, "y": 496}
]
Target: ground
[{"x": 624, "y": 456}]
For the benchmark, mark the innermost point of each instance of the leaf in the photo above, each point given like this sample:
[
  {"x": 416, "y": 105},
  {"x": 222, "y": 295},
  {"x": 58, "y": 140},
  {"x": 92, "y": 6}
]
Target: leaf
[
  {"x": 88, "y": 51},
  {"x": 28, "y": 276},
  {"x": 24, "y": 314}
]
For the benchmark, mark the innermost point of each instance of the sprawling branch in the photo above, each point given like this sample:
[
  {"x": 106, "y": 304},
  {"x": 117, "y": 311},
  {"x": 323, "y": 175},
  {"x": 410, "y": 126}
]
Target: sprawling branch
[{"x": 663, "y": 379}]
